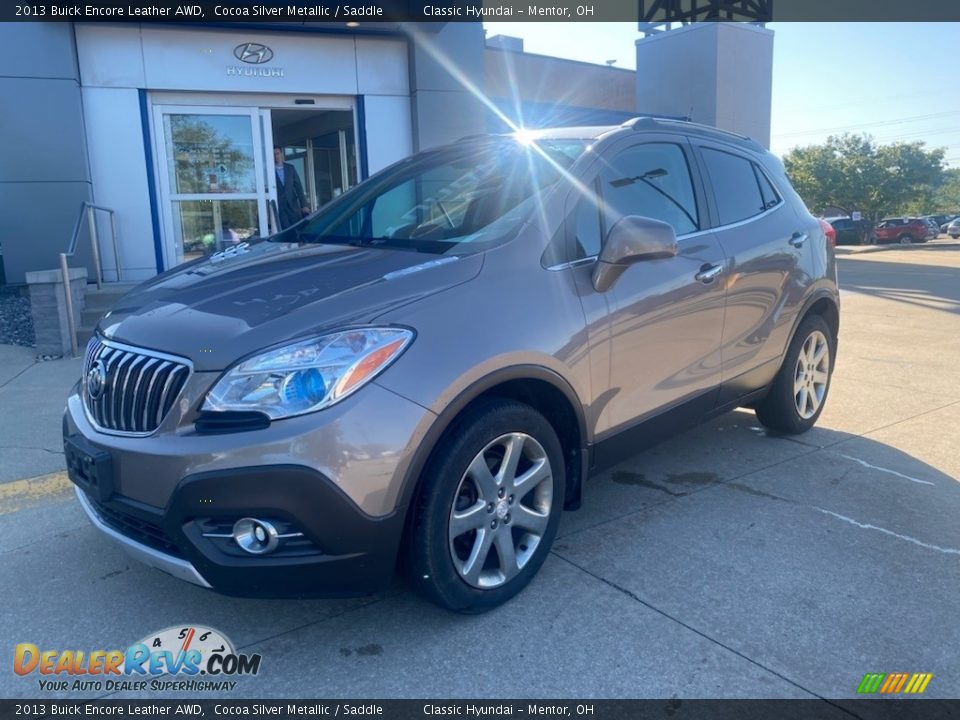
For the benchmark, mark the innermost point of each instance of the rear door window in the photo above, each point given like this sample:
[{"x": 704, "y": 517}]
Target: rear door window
[
  {"x": 736, "y": 186},
  {"x": 768, "y": 193}
]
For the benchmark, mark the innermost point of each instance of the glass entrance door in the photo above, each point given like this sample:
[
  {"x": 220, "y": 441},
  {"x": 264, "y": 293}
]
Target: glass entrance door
[
  {"x": 319, "y": 145},
  {"x": 333, "y": 165},
  {"x": 211, "y": 178}
]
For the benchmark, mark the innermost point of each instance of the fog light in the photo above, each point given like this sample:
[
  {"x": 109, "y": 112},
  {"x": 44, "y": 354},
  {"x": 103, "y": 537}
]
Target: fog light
[{"x": 257, "y": 537}]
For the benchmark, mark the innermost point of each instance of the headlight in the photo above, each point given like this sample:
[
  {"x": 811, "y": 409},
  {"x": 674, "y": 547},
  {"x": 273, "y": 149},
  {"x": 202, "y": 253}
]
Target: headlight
[{"x": 308, "y": 375}]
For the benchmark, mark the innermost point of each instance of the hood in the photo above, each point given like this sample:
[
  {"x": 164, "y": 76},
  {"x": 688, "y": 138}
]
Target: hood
[{"x": 220, "y": 309}]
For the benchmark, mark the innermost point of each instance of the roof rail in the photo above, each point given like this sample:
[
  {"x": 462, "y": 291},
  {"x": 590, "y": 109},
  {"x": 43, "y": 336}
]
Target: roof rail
[
  {"x": 477, "y": 136},
  {"x": 648, "y": 122},
  {"x": 641, "y": 122}
]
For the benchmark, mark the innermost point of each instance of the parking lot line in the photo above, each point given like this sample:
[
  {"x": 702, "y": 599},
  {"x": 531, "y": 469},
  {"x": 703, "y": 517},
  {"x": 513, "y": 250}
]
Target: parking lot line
[
  {"x": 21, "y": 494},
  {"x": 883, "y": 469}
]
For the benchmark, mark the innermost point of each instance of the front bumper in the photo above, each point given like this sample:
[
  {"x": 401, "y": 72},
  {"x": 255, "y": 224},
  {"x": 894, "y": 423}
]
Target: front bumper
[
  {"x": 342, "y": 551},
  {"x": 335, "y": 477},
  {"x": 179, "y": 568}
]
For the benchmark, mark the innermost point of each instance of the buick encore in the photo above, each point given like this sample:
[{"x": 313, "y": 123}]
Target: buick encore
[{"x": 425, "y": 372}]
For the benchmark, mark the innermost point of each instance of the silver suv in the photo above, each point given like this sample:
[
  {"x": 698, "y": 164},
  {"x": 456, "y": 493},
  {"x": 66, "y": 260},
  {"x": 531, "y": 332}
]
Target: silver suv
[{"x": 426, "y": 371}]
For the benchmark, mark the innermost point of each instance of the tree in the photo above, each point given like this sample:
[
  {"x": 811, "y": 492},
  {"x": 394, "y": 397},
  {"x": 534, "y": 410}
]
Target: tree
[
  {"x": 854, "y": 173},
  {"x": 946, "y": 199}
]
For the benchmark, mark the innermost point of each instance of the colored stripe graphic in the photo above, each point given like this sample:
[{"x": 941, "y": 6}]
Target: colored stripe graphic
[
  {"x": 921, "y": 686},
  {"x": 914, "y": 682},
  {"x": 871, "y": 682},
  {"x": 889, "y": 683},
  {"x": 894, "y": 683},
  {"x": 899, "y": 686}
]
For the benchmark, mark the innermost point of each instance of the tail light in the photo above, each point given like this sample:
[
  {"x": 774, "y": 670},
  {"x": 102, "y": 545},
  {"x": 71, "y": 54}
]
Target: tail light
[{"x": 829, "y": 232}]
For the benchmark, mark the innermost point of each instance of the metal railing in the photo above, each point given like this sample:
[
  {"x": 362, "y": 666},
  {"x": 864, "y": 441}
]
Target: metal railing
[{"x": 87, "y": 211}]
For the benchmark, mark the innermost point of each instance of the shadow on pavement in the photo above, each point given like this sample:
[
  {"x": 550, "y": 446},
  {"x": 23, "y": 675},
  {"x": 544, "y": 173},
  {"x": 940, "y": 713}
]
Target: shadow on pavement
[{"x": 930, "y": 286}]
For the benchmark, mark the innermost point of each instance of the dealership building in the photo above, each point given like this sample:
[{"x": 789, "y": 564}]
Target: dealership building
[{"x": 171, "y": 128}]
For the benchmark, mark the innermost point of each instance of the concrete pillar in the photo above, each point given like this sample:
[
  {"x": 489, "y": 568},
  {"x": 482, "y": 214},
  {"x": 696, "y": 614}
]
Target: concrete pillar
[
  {"x": 49, "y": 308},
  {"x": 715, "y": 73},
  {"x": 444, "y": 109},
  {"x": 44, "y": 173}
]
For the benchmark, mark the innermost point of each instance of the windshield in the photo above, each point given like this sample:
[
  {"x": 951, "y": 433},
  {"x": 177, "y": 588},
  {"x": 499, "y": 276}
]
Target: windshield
[{"x": 468, "y": 197}]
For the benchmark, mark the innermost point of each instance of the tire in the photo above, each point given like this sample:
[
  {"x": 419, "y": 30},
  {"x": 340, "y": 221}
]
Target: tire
[
  {"x": 796, "y": 383},
  {"x": 905, "y": 239},
  {"x": 955, "y": 236},
  {"x": 466, "y": 572}
]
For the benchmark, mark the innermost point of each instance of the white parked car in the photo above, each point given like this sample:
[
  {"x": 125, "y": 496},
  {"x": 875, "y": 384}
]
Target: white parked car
[{"x": 953, "y": 228}]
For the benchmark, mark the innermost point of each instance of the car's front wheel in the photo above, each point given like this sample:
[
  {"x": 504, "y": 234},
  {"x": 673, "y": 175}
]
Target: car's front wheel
[
  {"x": 905, "y": 239},
  {"x": 799, "y": 391},
  {"x": 488, "y": 508}
]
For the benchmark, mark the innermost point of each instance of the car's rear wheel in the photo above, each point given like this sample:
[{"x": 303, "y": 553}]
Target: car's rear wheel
[
  {"x": 488, "y": 508},
  {"x": 799, "y": 391},
  {"x": 905, "y": 239}
]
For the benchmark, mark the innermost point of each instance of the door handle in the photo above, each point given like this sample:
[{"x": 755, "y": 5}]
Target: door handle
[
  {"x": 708, "y": 273},
  {"x": 798, "y": 239}
]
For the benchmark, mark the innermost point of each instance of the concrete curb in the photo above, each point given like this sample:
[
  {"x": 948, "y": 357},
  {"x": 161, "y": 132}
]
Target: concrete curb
[{"x": 859, "y": 249}]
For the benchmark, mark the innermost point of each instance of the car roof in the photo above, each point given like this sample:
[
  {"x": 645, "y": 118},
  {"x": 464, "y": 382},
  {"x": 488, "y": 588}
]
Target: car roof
[
  {"x": 579, "y": 132},
  {"x": 641, "y": 123}
]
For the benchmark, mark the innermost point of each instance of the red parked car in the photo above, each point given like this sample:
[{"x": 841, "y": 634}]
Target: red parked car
[{"x": 903, "y": 230}]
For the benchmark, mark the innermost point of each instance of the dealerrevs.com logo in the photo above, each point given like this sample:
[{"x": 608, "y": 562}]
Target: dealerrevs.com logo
[{"x": 182, "y": 658}]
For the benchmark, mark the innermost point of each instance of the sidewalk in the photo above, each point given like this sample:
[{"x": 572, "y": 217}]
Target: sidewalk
[{"x": 32, "y": 398}]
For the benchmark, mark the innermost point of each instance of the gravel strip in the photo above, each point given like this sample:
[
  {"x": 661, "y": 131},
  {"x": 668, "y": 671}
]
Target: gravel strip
[{"x": 16, "y": 322}]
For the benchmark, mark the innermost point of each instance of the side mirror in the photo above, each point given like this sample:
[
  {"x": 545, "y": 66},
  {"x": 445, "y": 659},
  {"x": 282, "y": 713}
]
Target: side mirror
[{"x": 633, "y": 238}]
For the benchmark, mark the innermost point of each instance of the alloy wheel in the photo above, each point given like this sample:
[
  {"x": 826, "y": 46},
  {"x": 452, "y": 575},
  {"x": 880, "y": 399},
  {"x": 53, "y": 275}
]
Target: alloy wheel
[
  {"x": 501, "y": 510},
  {"x": 811, "y": 375}
]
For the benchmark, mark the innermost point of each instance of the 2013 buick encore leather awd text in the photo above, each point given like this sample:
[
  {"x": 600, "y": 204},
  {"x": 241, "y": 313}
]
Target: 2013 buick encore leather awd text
[{"x": 429, "y": 368}]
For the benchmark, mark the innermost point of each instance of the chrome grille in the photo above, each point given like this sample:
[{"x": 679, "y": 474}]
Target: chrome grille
[{"x": 139, "y": 388}]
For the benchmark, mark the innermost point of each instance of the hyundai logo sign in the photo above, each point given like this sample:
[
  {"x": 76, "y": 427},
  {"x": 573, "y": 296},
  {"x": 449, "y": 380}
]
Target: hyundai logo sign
[{"x": 253, "y": 53}]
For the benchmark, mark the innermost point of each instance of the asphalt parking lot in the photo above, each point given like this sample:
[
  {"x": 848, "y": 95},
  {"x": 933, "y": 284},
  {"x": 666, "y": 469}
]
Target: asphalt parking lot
[{"x": 725, "y": 562}]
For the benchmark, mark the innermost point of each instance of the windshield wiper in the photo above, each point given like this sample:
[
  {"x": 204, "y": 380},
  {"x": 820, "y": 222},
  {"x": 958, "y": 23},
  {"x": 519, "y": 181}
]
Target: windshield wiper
[{"x": 645, "y": 178}]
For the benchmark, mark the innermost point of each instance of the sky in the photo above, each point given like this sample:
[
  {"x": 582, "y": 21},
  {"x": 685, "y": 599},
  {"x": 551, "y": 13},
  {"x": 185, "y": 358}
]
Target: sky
[{"x": 896, "y": 81}]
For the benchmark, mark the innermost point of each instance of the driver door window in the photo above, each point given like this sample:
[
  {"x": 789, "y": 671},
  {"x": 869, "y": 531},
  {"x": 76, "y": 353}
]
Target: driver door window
[{"x": 652, "y": 180}]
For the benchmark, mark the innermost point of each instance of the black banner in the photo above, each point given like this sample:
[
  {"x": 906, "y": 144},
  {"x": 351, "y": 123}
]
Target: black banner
[
  {"x": 370, "y": 13},
  {"x": 672, "y": 709}
]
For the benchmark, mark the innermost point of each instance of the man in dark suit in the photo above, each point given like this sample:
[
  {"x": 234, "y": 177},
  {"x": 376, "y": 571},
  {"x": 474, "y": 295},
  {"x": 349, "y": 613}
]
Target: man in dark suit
[{"x": 291, "y": 202}]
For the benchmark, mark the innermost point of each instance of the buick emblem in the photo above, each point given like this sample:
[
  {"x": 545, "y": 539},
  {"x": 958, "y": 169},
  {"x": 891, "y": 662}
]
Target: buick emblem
[
  {"x": 253, "y": 53},
  {"x": 96, "y": 380}
]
